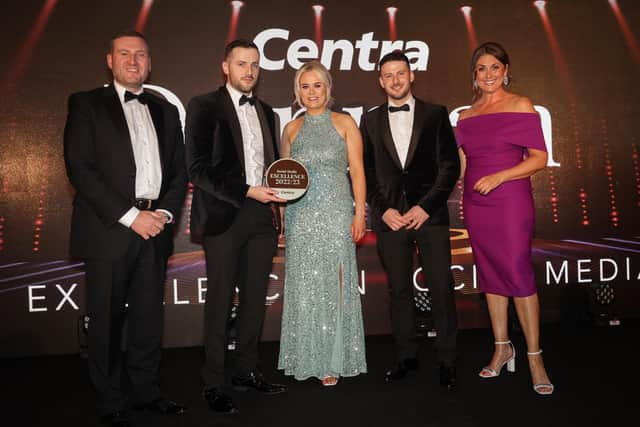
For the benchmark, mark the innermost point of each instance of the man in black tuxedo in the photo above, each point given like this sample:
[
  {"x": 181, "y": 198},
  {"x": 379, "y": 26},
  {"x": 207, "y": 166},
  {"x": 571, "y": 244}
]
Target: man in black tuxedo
[
  {"x": 231, "y": 139},
  {"x": 124, "y": 155},
  {"x": 412, "y": 165}
]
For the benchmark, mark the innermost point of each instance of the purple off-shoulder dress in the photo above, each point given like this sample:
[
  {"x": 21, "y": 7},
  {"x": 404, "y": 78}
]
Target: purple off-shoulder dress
[{"x": 500, "y": 224}]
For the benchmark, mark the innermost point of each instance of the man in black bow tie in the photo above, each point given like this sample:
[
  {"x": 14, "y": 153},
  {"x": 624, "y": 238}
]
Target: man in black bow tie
[
  {"x": 231, "y": 139},
  {"x": 412, "y": 165},
  {"x": 124, "y": 155}
]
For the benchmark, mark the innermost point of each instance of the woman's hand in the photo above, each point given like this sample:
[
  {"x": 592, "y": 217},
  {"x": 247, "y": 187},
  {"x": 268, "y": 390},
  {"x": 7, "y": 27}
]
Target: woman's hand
[
  {"x": 358, "y": 228},
  {"x": 488, "y": 183}
]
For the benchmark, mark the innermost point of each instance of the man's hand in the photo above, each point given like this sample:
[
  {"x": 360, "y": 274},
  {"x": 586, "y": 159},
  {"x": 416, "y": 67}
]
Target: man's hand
[
  {"x": 394, "y": 220},
  {"x": 264, "y": 194},
  {"x": 149, "y": 224},
  {"x": 415, "y": 217}
]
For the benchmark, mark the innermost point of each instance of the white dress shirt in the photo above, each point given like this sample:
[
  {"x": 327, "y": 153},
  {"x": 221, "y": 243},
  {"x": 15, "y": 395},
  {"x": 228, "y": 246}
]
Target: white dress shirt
[
  {"x": 144, "y": 142},
  {"x": 252, "y": 142},
  {"x": 401, "y": 123}
]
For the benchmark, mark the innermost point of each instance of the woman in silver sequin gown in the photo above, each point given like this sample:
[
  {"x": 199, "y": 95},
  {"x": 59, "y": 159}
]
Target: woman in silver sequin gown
[{"x": 322, "y": 331}]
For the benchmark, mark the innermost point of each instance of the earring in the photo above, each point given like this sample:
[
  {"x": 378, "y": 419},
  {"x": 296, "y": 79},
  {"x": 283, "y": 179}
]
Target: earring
[
  {"x": 505, "y": 80},
  {"x": 475, "y": 85}
]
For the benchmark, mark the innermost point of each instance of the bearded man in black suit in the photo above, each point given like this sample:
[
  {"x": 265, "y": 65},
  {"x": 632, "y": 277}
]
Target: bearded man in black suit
[
  {"x": 231, "y": 139},
  {"x": 124, "y": 155},
  {"x": 411, "y": 166}
]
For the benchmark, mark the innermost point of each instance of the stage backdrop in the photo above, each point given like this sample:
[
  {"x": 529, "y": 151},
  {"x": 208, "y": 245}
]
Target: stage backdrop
[{"x": 579, "y": 63}]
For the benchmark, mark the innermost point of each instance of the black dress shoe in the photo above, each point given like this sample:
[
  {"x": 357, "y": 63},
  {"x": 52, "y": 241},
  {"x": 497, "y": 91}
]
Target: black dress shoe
[
  {"x": 163, "y": 406},
  {"x": 116, "y": 419},
  {"x": 256, "y": 381},
  {"x": 448, "y": 377},
  {"x": 401, "y": 369},
  {"x": 219, "y": 402}
]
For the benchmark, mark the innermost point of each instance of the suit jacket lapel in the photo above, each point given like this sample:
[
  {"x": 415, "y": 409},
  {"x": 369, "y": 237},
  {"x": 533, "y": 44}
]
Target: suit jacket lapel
[
  {"x": 114, "y": 109},
  {"x": 234, "y": 124},
  {"x": 418, "y": 124},
  {"x": 267, "y": 137},
  {"x": 158, "y": 123},
  {"x": 387, "y": 137}
]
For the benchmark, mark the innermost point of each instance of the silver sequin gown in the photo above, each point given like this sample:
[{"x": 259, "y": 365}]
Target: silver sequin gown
[{"x": 322, "y": 331}]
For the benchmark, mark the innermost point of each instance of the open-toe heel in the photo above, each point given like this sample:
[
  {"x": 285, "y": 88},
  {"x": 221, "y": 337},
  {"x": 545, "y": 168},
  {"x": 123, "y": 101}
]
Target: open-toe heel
[
  {"x": 329, "y": 381},
  {"x": 488, "y": 372},
  {"x": 541, "y": 388}
]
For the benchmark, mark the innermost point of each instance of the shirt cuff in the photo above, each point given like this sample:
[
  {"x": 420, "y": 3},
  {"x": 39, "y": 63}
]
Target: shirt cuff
[
  {"x": 128, "y": 218},
  {"x": 167, "y": 213}
]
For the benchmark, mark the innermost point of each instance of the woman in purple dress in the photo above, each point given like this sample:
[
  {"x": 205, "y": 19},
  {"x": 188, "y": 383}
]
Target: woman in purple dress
[{"x": 501, "y": 146}]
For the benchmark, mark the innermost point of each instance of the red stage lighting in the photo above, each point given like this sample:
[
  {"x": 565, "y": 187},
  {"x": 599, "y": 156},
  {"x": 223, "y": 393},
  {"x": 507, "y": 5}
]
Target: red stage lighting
[
  {"x": 16, "y": 70},
  {"x": 561, "y": 64},
  {"x": 233, "y": 24},
  {"x": 391, "y": 11},
  {"x": 632, "y": 43},
  {"x": 317, "y": 11},
  {"x": 540, "y": 4},
  {"x": 141, "y": 22},
  {"x": 473, "y": 41}
]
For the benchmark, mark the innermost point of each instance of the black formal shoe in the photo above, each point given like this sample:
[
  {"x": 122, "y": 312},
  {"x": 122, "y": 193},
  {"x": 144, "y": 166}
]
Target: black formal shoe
[
  {"x": 219, "y": 402},
  {"x": 448, "y": 377},
  {"x": 163, "y": 406},
  {"x": 256, "y": 381},
  {"x": 116, "y": 419},
  {"x": 401, "y": 369}
]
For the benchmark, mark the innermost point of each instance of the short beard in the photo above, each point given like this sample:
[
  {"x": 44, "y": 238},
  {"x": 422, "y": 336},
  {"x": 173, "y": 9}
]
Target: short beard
[{"x": 402, "y": 96}]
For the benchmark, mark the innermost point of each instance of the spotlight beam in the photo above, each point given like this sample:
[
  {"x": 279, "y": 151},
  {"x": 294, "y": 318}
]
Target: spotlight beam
[
  {"x": 233, "y": 22},
  {"x": 141, "y": 22},
  {"x": 629, "y": 38},
  {"x": 317, "y": 12},
  {"x": 15, "y": 73},
  {"x": 473, "y": 41},
  {"x": 391, "y": 12},
  {"x": 560, "y": 63}
]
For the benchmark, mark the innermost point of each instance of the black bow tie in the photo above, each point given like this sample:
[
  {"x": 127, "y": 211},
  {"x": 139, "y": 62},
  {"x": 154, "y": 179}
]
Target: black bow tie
[
  {"x": 142, "y": 97},
  {"x": 403, "y": 107},
  {"x": 250, "y": 99}
]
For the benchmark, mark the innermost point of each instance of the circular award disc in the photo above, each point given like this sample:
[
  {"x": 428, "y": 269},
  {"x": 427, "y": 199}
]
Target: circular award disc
[{"x": 288, "y": 177}]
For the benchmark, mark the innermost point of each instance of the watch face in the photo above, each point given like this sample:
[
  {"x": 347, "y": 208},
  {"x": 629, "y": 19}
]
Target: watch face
[{"x": 288, "y": 177}]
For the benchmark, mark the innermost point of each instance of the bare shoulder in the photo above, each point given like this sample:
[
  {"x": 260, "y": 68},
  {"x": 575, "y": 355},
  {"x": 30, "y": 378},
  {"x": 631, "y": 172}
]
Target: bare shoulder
[
  {"x": 522, "y": 104},
  {"x": 343, "y": 121},
  {"x": 293, "y": 127},
  {"x": 464, "y": 114}
]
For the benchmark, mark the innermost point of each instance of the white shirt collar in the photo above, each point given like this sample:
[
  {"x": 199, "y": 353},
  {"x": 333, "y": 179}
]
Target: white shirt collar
[{"x": 235, "y": 94}]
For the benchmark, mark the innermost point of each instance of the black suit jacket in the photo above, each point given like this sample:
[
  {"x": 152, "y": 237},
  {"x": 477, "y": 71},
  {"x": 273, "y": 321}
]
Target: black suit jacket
[
  {"x": 431, "y": 169},
  {"x": 101, "y": 167},
  {"x": 215, "y": 159}
]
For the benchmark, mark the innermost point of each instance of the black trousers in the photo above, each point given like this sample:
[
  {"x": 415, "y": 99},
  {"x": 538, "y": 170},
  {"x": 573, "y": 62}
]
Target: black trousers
[
  {"x": 242, "y": 256},
  {"x": 396, "y": 250},
  {"x": 136, "y": 279}
]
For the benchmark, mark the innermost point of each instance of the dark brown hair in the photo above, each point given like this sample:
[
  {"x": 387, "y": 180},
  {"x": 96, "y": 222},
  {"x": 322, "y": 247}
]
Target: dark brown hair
[
  {"x": 488, "y": 48},
  {"x": 244, "y": 43},
  {"x": 127, "y": 33}
]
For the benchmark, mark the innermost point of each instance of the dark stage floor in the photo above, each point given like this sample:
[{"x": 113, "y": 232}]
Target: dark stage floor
[{"x": 594, "y": 369}]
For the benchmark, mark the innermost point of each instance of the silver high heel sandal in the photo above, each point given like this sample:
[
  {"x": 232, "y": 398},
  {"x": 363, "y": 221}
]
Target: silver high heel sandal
[
  {"x": 541, "y": 388},
  {"x": 487, "y": 372}
]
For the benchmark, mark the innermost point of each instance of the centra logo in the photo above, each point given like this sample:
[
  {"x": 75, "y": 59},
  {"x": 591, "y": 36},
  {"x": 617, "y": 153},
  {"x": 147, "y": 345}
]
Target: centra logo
[{"x": 303, "y": 50}]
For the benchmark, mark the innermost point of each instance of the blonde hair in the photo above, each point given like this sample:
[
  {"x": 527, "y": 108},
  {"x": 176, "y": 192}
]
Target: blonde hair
[{"x": 321, "y": 71}]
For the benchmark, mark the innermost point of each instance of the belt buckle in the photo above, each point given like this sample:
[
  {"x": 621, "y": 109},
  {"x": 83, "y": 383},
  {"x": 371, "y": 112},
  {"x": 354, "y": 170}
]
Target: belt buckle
[{"x": 149, "y": 202}]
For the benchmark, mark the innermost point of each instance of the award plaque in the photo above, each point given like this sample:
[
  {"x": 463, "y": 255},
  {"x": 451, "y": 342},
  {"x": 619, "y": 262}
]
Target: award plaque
[{"x": 288, "y": 177}]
